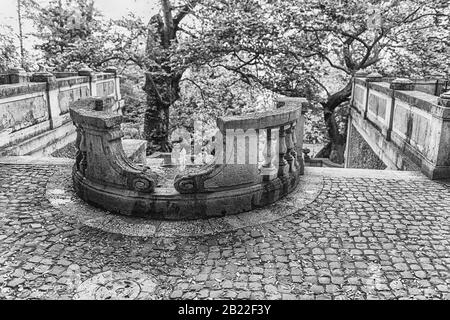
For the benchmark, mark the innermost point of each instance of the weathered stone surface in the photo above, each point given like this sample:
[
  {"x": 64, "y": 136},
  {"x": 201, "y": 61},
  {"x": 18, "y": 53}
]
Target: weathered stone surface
[
  {"x": 35, "y": 116},
  {"x": 236, "y": 163},
  {"x": 405, "y": 125},
  {"x": 374, "y": 77},
  {"x": 101, "y": 160},
  {"x": 43, "y": 76},
  {"x": 402, "y": 84},
  {"x": 360, "y": 154},
  {"x": 444, "y": 99}
]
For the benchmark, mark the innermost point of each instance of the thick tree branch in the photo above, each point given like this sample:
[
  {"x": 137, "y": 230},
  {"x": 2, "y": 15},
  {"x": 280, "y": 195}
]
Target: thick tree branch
[
  {"x": 362, "y": 63},
  {"x": 168, "y": 32},
  {"x": 332, "y": 64},
  {"x": 187, "y": 8},
  {"x": 320, "y": 84},
  {"x": 198, "y": 87}
]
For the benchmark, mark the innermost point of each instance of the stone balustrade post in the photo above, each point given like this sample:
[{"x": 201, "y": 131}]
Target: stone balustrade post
[
  {"x": 17, "y": 75},
  {"x": 88, "y": 72},
  {"x": 396, "y": 84},
  {"x": 358, "y": 74},
  {"x": 440, "y": 79},
  {"x": 54, "y": 110},
  {"x": 112, "y": 70},
  {"x": 371, "y": 77},
  {"x": 444, "y": 99},
  {"x": 43, "y": 76},
  {"x": 361, "y": 74},
  {"x": 118, "y": 96},
  {"x": 401, "y": 84},
  {"x": 374, "y": 77}
]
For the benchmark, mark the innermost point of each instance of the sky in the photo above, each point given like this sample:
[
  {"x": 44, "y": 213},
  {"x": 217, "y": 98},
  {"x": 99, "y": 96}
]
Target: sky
[
  {"x": 113, "y": 9},
  {"x": 110, "y": 8}
]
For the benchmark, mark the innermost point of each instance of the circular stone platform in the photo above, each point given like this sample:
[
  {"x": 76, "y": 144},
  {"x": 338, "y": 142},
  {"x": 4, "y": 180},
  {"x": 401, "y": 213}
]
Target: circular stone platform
[{"x": 61, "y": 195}]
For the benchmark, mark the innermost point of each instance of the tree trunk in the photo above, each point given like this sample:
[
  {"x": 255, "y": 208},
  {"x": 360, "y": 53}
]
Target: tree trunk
[
  {"x": 162, "y": 90},
  {"x": 161, "y": 85},
  {"x": 335, "y": 149},
  {"x": 22, "y": 51}
]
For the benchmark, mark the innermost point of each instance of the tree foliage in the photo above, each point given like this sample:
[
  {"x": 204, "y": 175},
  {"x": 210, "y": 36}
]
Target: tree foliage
[
  {"x": 309, "y": 48},
  {"x": 70, "y": 32},
  {"x": 313, "y": 48},
  {"x": 8, "y": 51},
  {"x": 207, "y": 93}
]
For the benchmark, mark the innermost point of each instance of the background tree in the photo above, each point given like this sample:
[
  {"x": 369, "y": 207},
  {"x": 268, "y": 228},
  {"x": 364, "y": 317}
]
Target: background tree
[
  {"x": 313, "y": 48},
  {"x": 70, "y": 32},
  {"x": 150, "y": 46},
  {"x": 207, "y": 93},
  {"x": 8, "y": 51},
  {"x": 307, "y": 48},
  {"x": 11, "y": 54},
  {"x": 162, "y": 84},
  {"x": 20, "y": 23}
]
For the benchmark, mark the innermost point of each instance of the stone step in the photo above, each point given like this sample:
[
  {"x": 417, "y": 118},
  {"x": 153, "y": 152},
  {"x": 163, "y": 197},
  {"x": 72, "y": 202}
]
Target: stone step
[{"x": 43, "y": 143}]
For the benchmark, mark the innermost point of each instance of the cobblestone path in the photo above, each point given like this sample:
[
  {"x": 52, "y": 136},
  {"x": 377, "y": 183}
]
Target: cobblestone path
[{"x": 362, "y": 238}]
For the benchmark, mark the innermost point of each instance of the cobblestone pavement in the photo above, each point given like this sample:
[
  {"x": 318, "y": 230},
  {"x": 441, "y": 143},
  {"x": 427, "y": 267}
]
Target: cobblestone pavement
[{"x": 362, "y": 238}]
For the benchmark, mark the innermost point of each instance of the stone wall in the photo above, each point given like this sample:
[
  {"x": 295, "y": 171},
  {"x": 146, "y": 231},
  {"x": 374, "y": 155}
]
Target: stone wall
[
  {"x": 360, "y": 154},
  {"x": 406, "y": 127},
  {"x": 34, "y": 109}
]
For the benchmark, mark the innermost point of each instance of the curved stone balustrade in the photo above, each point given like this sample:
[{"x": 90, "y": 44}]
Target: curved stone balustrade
[
  {"x": 256, "y": 163},
  {"x": 237, "y": 163}
]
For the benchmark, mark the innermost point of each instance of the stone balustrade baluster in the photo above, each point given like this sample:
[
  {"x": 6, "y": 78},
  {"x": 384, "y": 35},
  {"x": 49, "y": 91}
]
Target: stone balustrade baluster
[
  {"x": 267, "y": 161},
  {"x": 257, "y": 147},
  {"x": 294, "y": 141},
  {"x": 290, "y": 147},
  {"x": 268, "y": 170},
  {"x": 282, "y": 163}
]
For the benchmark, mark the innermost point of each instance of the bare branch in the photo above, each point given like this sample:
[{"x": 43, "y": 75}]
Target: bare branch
[
  {"x": 332, "y": 64},
  {"x": 168, "y": 27},
  {"x": 320, "y": 84},
  {"x": 369, "y": 51},
  {"x": 198, "y": 86}
]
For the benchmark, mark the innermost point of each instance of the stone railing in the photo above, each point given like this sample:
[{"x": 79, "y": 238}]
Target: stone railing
[
  {"x": 256, "y": 162},
  {"x": 34, "y": 109},
  {"x": 15, "y": 75},
  {"x": 415, "y": 122},
  {"x": 434, "y": 85}
]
